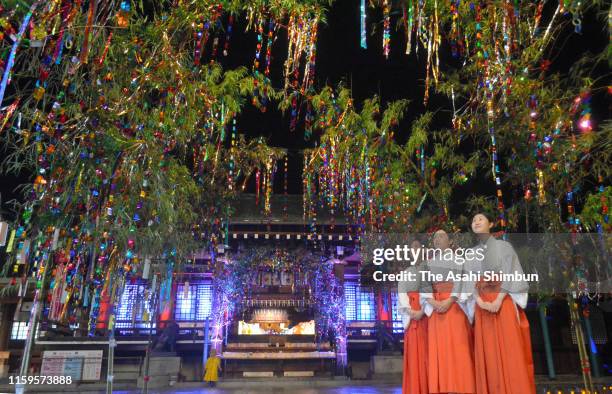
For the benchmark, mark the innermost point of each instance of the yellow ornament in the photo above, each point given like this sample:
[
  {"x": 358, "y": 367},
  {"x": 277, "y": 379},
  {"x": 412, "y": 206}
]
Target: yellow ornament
[
  {"x": 39, "y": 32},
  {"x": 123, "y": 20},
  {"x": 38, "y": 93}
]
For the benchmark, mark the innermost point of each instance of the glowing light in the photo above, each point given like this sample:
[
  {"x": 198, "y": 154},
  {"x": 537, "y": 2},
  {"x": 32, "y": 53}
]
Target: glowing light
[{"x": 585, "y": 124}]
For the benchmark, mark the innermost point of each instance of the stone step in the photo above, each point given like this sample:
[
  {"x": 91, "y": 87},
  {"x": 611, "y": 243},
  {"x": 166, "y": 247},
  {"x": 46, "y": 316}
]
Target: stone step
[
  {"x": 159, "y": 381},
  {"x": 387, "y": 364},
  {"x": 258, "y": 374},
  {"x": 125, "y": 376},
  {"x": 299, "y": 373}
]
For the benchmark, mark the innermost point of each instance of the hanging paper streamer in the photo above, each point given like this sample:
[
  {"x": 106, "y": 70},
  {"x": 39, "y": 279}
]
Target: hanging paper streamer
[
  {"x": 215, "y": 46},
  {"x": 294, "y": 111},
  {"x": 541, "y": 190},
  {"x": 8, "y": 112},
  {"x": 11, "y": 58},
  {"x": 386, "y": 28},
  {"x": 9, "y": 246},
  {"x": 146, "y": 269},
  {"x": 228, "y": 35},
  {"x": 65, "y": 19},
  {"x": 232, "y": 164},
  {"x": 408, "y": 16},
  {"x": 572, "y": 220},
  {"x": 285, "y": 187},
  {"x": 433, "y": 45},
  {"x": 270, "y": 41},
  {"x": 495, "y": 164},
  {"x": 264, "y": 41},
  {"x": 362, "y": 25},
  {"x": 93, "y": 5},
  {"x": 106, "y": 48},
  {"x": 422, "y": 160},
  {"x": 4, "y": 228},
  {"x": 604, "y": 202},
  {"x": 260, "y": 30},
  {"x": 202, "y": 37},
  {"x": 257, "y": 185},
  {"x": 302, "y": 33},
  {"x": 308, "y": 121}
]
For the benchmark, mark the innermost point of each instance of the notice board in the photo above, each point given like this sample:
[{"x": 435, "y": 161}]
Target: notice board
[{"x": 79, "y": 364}]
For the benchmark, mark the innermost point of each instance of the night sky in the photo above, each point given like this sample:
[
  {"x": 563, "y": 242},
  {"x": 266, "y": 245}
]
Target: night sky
[{"x": 367, "y": 73}]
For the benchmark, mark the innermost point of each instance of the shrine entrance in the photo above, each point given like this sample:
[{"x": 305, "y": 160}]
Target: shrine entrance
[{"x": 282, "y": 309}]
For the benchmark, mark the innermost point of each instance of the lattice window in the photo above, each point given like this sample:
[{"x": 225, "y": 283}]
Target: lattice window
[
  {"x": 132, "y": 305},
  {"x": 193, "y": 304},
  {"x": 350, "y": 301},
  {"x": 397, "y": 317},
  {"x": 19, "y": 330},
  {"x": 360, "y": 303}
]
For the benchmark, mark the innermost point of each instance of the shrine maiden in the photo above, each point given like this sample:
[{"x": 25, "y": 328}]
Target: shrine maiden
[
  {"x": 415, "y": 331},
  {"x": 502, "y": 345},
  {"x": 450, "y": 342}
]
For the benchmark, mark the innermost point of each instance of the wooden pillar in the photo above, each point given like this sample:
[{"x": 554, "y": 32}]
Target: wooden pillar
[
  {"x": 341, "y": 335},
  {"x": 6, "y": 320}
]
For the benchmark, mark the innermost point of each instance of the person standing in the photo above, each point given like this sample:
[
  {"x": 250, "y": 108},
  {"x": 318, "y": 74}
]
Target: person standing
[
  {"x": 450, "y": 337},
  {"x": 415, "y": 331},
  {"x": 502, "y": 344},
  {"x": 212, "y": 368}
]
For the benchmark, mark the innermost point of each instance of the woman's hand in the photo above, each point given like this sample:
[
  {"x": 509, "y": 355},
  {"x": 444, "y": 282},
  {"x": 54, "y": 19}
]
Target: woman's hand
[{"x": 495, "y": 306}]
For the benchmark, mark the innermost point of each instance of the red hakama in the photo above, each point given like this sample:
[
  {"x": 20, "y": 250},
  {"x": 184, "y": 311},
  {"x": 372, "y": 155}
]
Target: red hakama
[
  {"x": 415, "y": 352},
  {"x": 504, "y": 362},
  {"x": 451, "y": 359}
]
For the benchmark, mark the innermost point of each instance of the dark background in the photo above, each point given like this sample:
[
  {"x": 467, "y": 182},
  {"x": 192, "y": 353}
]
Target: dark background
[{"x": 341, "y": 59}]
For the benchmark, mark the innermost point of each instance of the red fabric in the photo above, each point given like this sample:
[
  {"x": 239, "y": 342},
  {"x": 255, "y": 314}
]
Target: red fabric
[
  {"x": 504, "y": 362},
  {"x": 103, "y": 312},
  {"x": 415, "y": 352},
  {"x": 382, "y": 306},
  {"x": 451, "y": 358}
]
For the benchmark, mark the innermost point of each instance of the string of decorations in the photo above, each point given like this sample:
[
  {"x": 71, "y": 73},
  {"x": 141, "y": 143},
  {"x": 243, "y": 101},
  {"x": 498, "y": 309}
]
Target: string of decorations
[{"x": 122, "y": 147}]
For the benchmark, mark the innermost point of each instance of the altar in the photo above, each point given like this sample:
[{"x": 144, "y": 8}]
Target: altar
[
  {"x": 281, "y": 323},
  {"x": 278, "y": 356}
]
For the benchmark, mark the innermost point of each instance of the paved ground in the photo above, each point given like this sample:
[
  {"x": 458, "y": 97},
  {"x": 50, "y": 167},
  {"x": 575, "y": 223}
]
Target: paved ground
[
  {"x": 390, "y": 385},
  {"x": 246, "y": 390}
]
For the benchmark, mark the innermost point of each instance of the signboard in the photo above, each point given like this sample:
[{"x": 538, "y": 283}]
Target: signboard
[{"x": 79, "y": 364}]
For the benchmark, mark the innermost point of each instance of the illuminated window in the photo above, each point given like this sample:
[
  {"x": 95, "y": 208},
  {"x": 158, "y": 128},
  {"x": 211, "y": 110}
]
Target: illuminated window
[
  {"x": 360, "y": 304},
  {"x": 132, "y": 306},
  {"x": 194, "y": 302},
  {"x": 397, "y": 317},
  {"x": 350, "y": 301},
  {"x": 19, "y": 330}
]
